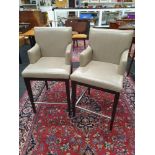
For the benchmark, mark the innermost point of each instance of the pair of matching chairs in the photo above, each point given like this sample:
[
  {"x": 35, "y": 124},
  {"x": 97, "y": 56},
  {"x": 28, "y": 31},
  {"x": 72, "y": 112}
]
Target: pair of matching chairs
[{"x": 102, "y": 63}]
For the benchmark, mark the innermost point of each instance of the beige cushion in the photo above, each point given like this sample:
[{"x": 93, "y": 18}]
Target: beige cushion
[
  {"x": 48, "y": 67},
  {"x": 108, "y": 44},
  {"x": 53, "y": 41},
  {"x": 99, "y": 74},
  {"x": 79, "y": 36}
]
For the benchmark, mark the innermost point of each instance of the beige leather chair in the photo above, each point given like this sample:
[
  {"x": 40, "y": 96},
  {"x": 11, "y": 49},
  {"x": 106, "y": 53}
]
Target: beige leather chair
[
  {"x": 50, "y": 58},
  {"x": 103, "y": 63}
]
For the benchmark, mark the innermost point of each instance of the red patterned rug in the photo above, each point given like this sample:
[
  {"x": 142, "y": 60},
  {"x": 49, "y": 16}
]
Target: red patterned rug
[{"x": 51, "y": 132}]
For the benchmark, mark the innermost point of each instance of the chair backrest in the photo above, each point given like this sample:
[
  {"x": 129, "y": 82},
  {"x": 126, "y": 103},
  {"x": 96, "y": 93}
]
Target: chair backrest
[
  {"x": 53, "y": 41},
  {"x": 71, "y": 23},
  {"x": 108, "y": 44},
  {"x": 81, "y": 27},
  {"x": 113, "y": 25}
]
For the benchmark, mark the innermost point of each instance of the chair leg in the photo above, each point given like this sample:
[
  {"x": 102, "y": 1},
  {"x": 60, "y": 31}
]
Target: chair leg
[
  {"x": 84, "y": 43},
  {"x": 46, "y": 84},
  {"x": 73, "y": 97},
  {"x": 30, "y": 94},
  {"x": 76, "y": 43},
  {"x": 20, "y": 60},
  {"x": 68, "y": 96},
  {"x": 128, "y": 72},
  {"x": 73, "y": 44},
  {"x": 114, "y": 109}
]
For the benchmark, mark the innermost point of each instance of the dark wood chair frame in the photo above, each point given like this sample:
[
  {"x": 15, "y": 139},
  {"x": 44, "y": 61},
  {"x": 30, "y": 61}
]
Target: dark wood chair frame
[
  {"x": 130, "y": 65},
  {"x": 116, "y": 98},
  {"x": 30, "y": 93},
  {"x": 132, "y": 58},
  {"x": 75, "y": 40}
]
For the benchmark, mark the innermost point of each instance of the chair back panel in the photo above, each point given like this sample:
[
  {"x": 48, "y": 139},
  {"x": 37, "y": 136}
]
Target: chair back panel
[
  {"x": 81, "y": 27},
  {"x": 71, "y": 23},
  {"x": 53, "y": 41},
  {"x": 108, "y": 45}
]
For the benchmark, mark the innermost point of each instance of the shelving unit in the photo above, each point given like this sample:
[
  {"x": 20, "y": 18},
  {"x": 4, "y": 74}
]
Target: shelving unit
[
  {"x": 106, "y": 3},
  {"x": 100, "y": 12}
]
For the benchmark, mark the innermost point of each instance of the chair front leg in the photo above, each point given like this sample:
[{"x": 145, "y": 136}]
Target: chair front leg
[
  {"x": 68, "y": 96},
  {"x": 73, "y": 97},
  {"x": 114, "y": 109},
  {"x": 30, "y": 94}
]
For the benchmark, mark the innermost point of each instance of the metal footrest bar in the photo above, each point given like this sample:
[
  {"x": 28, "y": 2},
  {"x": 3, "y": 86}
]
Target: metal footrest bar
[
  {"x": 50, "y": 102},
  {"x": 79, "y": 99},
  {"x": 93, "y": 112}
]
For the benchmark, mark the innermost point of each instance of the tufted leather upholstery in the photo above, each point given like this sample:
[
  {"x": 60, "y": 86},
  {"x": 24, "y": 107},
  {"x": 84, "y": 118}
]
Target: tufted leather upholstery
[
  {"x": 104, "y": 61},
  {"x": 51, "y": 55}
]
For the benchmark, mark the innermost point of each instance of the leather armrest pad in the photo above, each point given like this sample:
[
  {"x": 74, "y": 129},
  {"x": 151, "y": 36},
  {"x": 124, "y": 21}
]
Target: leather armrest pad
[
  {"x": 85, "y": 56},
  {"x": 68, "y": 55},
  {"x": 123, "y": 62},
  {"x": 34, "y": 54}
]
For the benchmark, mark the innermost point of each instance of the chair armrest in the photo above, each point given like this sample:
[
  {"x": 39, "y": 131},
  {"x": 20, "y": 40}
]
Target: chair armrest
[
  {"x": 86, "y": 56},
  {"x": 34, "y": 54},
  {"x": 68, "y": 54},
  {"x": 123, "y": 62}
]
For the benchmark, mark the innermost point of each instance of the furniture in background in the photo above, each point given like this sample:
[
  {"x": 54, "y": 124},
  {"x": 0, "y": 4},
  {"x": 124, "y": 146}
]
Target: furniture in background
[
  {"x": 30, "y": 35},
  {"x": 61, "y": 3},
  {"x": 80, "y": 30},
  {"x": 113, "y": 25},
  {"x": 21, "y": 43},
  {"x": 50, "y": 59},
  {"x": 34, "y": 18},
  {"x": 102, "y": 65}
]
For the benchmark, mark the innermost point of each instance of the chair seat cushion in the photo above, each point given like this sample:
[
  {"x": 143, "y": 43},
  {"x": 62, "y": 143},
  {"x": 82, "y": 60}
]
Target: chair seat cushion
[
  {"x": 99, "y": 74},
  {"x": 48, "y": 67},
  {"x": 79, "y": 36}
]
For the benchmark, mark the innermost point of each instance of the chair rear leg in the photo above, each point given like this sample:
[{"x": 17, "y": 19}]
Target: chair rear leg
[
  {"x": 114, "y": 109},
  {"x": 73, "y": 97},
  {"x": 68, "y": 96},
  {"x": 84, "y": 43},
  {"x": 77, "y": 43},
  {"x": 46, "y": 84},
  {"x": 30, "y": 94},
  {"x": 128, "y": 72}
]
